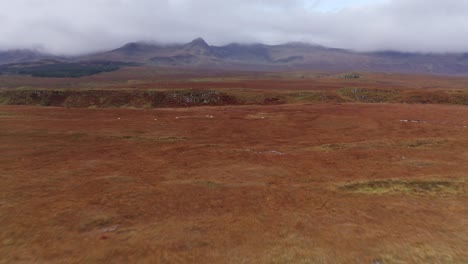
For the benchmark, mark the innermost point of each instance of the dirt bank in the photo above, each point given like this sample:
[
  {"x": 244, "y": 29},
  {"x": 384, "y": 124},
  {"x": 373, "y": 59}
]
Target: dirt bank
[
  {"x": 110, "y": 99},
  {"x": 219, "y": 97}
]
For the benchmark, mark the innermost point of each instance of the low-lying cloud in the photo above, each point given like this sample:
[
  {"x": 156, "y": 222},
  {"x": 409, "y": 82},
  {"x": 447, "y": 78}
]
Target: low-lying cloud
[{"x": 76, "y": 27}]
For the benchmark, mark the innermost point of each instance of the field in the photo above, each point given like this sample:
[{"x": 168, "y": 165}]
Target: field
[{"x": 303, "y": 168}]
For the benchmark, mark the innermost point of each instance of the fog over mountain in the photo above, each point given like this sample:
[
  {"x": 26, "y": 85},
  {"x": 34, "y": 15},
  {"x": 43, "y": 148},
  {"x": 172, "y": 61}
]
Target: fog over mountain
[
  {"x": 257, "y": 57},
  {"x": 69, "y": 27}
]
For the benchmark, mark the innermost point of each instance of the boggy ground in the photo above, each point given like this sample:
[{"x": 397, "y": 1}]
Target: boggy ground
[{"x": 304, "y": 183}]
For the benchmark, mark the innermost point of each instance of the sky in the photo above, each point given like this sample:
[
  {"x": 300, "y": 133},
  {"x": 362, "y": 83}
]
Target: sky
[{"x": 72, "y": 27}]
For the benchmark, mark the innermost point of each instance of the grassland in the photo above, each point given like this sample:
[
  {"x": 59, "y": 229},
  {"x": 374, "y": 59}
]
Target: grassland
[{"x": 297, "y": 179}]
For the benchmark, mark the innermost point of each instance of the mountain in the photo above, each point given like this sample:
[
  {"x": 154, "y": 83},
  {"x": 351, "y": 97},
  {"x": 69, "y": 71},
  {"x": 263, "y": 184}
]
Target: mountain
[
  {"x": 23, "y": 55},
  {"x": 300, "y": 56}
]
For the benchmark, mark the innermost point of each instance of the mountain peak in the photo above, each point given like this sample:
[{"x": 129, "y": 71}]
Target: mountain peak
[
  {"x": 198, "y": 47},
  {"x": 199, "y": 42}
]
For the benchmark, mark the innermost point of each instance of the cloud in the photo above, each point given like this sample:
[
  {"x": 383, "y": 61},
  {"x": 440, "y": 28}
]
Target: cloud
[{"x": 75, "y": 27}]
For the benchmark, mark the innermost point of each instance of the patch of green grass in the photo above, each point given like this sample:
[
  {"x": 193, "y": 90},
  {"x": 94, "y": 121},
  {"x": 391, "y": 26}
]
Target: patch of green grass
[
  {"x": 330, "y": 147},
  {"x": 3, "y": 99},
  {"x": 210, "y": 184},
  {"x": 369, "y": 95},
  {"x": 419, "y": 144},
  {"x": 422, "y": 143},
  {"x": 170, "y": 139},
  {"x": 419, "y": 187},
  {"x": 422, "y": 253},
  {"x": 7, "y": 114},
  {"x": 306, "y": 97}
]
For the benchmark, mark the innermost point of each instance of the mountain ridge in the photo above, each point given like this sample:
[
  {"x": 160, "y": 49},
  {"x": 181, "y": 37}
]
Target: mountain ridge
[{"x": 258, "y": 56}]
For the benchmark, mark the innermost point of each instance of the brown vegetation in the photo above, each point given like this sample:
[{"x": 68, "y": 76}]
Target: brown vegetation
[{"x": 307, "y": 182}]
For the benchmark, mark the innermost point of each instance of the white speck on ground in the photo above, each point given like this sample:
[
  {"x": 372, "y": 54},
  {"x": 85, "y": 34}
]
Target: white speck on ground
[
  {"x": 412, "y": 121},
  {"x": 109, "y": 229},
  {"x": 276, "y": 152}
]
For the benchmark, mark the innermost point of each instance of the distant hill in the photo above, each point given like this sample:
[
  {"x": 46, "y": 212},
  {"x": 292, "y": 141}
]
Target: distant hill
[
  {"x": 300, "y": 56},
  {"x": 22, "y": 55}
]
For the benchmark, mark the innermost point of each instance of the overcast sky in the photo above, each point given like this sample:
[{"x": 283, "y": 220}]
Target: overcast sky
[{"x": 82, "y": 26}]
